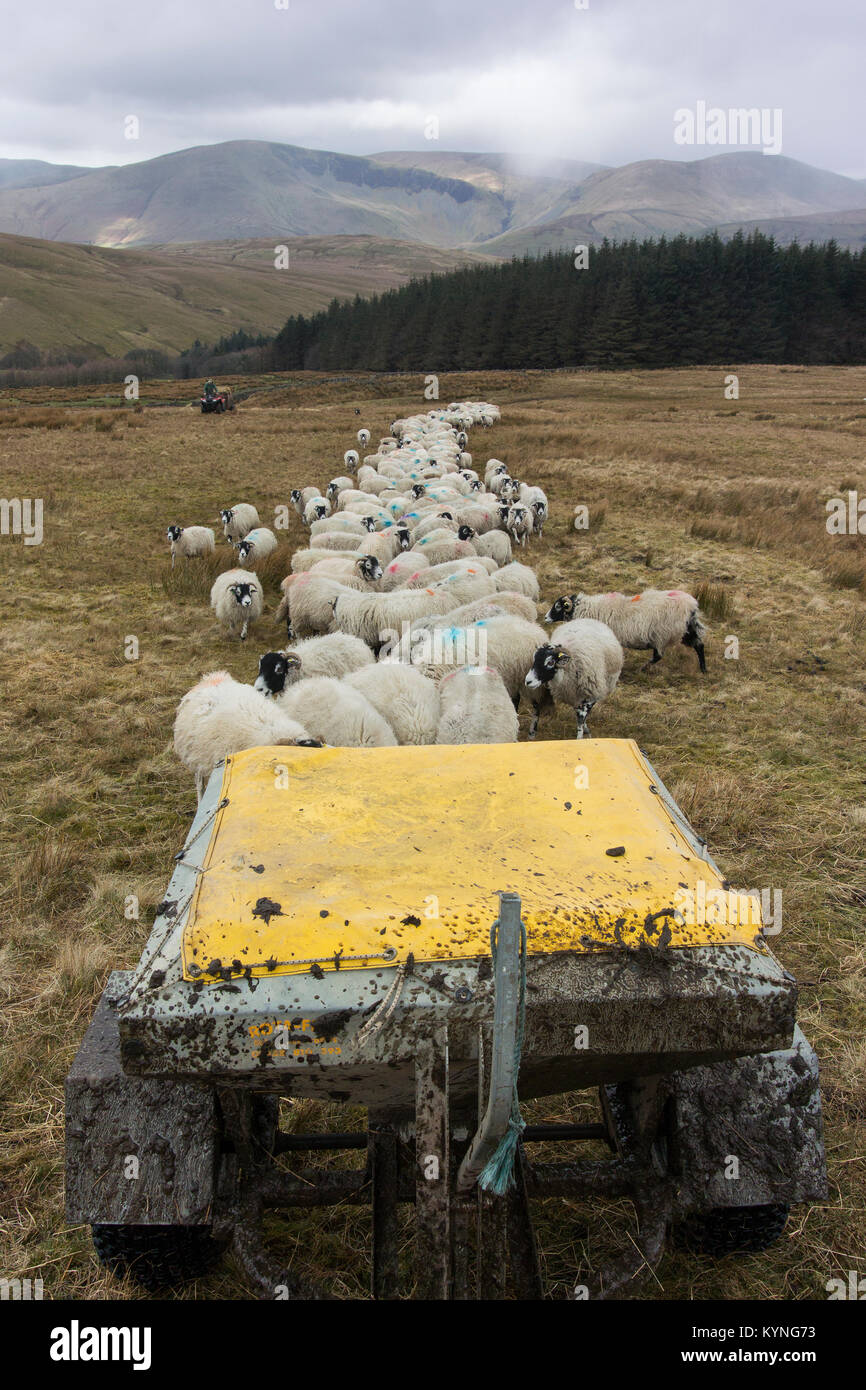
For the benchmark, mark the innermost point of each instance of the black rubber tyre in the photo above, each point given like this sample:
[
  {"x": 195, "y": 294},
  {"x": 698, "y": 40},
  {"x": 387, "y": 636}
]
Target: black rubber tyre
[
  {"x": 157, "y": 1256},
  {"x": 733, "y": 1230}
]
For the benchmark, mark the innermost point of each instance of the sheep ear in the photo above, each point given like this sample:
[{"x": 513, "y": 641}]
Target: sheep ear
[{"x": 562, "y": 656}]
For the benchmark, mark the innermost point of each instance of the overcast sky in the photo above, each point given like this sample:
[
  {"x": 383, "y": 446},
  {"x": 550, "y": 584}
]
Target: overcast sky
[{"x": 540, "y": 77}]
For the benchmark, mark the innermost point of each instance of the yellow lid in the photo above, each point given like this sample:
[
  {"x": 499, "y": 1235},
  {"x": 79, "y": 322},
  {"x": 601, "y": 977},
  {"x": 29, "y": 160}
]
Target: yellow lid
[{"x": 368, "y": 854}]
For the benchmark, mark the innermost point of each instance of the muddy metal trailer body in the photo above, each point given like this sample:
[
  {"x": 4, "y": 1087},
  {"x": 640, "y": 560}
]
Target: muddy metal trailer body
[{"x": 327, "y": 933}]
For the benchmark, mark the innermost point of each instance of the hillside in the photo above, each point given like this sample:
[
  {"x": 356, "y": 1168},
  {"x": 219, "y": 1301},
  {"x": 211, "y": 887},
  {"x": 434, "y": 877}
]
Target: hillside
[
  {"x": 656, "y": 197},
  {"x": 97, "y": 299},
  {"x": 250, "y": 190}
]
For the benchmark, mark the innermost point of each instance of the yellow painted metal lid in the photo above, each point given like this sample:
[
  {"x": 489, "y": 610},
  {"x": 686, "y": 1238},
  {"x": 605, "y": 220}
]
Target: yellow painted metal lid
[{"x": 361, "y": 856}]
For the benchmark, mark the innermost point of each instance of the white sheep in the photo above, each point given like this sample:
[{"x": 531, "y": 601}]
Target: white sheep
[
  {"x": 219, "y": 716},
  {"x": 238, "y": 521},
  {"x": 439, "y": 552},
  {"x": 190, "y": 540},
  {"x": 579, "y": 666},
  {"x": 351, "y": 459},
  {"x": 506, "y": 643},
  {"x": 340, "y": 521},
  {"x": 335, "y": 654},
  {"x": 363, "y": 438},
  {"x": 536, "y": 500},
  {"x": 494, "y": 544},
  {"x": 650, "y": 621},
  {"x": 518, "y": 578},
  {"x": 403, "y": 696},
  {"x": 341, "y": 716},
  {"x": 236, "y": 598},
  {"x": 300, "y": 496},
  {"x": 493, "y": 606},
  {"x": 256, "y": 546},
  {"x": 336, "y": 540},
  {"x": 476, "y": 708},
  {"x": 316, "y": 509},
  {"x": 338, "y": 485},
  {"x": 519, "y": 524}
]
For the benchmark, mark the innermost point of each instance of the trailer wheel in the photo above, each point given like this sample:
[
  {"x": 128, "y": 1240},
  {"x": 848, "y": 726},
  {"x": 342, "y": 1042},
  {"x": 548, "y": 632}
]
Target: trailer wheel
[
  {"x": 157, "y": 1256},
  {"x": 733, "y": 1230}
]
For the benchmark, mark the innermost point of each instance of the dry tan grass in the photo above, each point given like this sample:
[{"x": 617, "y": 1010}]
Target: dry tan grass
[{"x": 765, "y": 754}]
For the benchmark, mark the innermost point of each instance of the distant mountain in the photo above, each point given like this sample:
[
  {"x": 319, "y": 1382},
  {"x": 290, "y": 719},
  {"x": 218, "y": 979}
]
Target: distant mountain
[
  {"x": 35, "y": 173},
  {"x": 249, "y": 189},
  {"x": 497, "y": 203},
  {"x": 99, "y": 300},
  {"x": 663, "y": 197}
]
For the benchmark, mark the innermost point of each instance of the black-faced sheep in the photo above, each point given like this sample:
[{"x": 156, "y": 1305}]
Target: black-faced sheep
[
  {"x": 190, "y": 540},
  {"x": 579, "y": 666},
  {"x": 238, "y": 521},
  {"x": 651, "y": 621},
  {"x": 236, "y": 598}
]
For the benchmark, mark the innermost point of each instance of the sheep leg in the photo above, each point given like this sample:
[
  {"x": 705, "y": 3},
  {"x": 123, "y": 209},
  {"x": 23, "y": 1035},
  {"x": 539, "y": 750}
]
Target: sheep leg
[
  {"x": 582, "y": 714},
  {"x": 199, "y": 785},
  {"x": 172, "y": 559},
  {"x": 533, "y": 724},
  {"x": 515, "y": 700},
  {"x": 656, "y": 656},
  {"x": 692, "y": 640},
  {"x": 244, "y": 631}
]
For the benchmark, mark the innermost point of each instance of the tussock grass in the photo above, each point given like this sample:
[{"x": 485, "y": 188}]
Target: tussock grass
[
  {"x": 716, "y": 601},
  {"x": 765, "y": 753}
]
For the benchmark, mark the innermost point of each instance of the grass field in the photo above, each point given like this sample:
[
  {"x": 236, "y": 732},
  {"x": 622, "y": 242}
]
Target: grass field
[
  {"x": 98, "y": 299},
  {"x": 766, "y": 754}
]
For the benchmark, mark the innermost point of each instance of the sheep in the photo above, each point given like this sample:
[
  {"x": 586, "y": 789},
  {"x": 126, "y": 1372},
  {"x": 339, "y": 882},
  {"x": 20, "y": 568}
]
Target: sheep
[
  {"x": 257, "y": 544},
  {"x": 220, "y": 716},
  {"x": 304, "y": 560},
  {"x": 341, "y": 716},
  {"x": 338, "y": 485},
  {"x": 403, "y": 569},
  {"x": 650, "y": 621},
  {"x": 299, "y": 497},
  {"x": 579, "y": 666},
  {"x": 336, "y": 540},
  {"x": 316, "y": 509},
  {"x": 476, "y": 708},
  {"x": 491, "y": 606},
  {"x": 506, "y": 643},
  {"x": 339, "y": 521},
  {"x": 403, "y": 696},
  {"x": 431, "y": 574},
  {"x": 236, "y": 598},
  {"x": 494, "y": 544},
  {"x": 351, "y": 459},
  {"x": 190, "y": 541},
  {"x": 309, "y": 602},
  {"x": 519, "y": 524},
  {"x": 536, "y": 500},
  {"x": 439, "y": 552},
  {"x": 335, "y": 654},
  {"x": 387, "y": 545},
  {"x": 238, "y": 521},
  {"x": 509, "y": 490},
  {"x": 518, "y": 578},
  {"x": 363, "y": 437},
  {"x": 352, "y": 571}
]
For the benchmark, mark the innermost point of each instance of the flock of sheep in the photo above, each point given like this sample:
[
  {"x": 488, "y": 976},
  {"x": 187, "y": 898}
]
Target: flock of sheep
[{"x": 407, "y": 619}]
